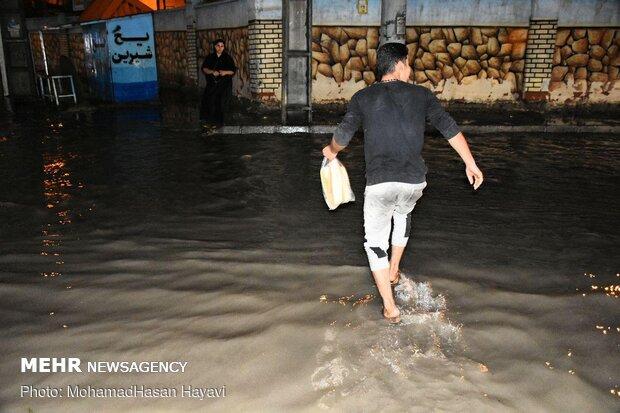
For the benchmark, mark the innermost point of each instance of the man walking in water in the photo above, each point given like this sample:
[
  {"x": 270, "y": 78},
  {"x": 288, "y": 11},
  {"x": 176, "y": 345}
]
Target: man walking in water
[{"x": 392, "y": 113}]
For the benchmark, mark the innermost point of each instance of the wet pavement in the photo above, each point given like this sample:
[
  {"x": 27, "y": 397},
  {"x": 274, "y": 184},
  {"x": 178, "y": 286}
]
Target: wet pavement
[{"x": 131, "y": 234}]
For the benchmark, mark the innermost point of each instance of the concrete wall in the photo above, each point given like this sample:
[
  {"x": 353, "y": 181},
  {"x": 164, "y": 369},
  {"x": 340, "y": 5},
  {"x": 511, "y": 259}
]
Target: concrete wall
[
  {"x": 469, "y": 12},
  {"x": 169, "y": 20},
  {"x": 344, "y": 12},
  {"x": 224, "y": 14},
  {"x": 513, "y": 13},
  {"x": 574, "y": 13},
  {"x": 264, "y": 9},
  {"x": 39, "y": 23},
  {"x": 236, "y": 13},
  {"x": 588, "y": 13}
]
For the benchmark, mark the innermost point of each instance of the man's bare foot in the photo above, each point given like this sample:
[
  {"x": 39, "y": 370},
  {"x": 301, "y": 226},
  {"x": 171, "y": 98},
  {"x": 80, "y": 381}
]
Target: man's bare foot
[
  {"x": 394, "y": 276},
  {"x": 392, "y": 316}
]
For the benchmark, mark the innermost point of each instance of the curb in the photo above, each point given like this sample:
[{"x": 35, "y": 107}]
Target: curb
[{"x": 474, "y": 129}]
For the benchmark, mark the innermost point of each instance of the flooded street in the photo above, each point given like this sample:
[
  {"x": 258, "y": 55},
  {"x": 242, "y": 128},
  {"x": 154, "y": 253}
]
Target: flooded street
[{"x": 128, "y": 235}]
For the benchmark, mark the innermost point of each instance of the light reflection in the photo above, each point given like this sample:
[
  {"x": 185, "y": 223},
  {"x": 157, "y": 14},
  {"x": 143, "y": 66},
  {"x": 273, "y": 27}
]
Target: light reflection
[
  {"x": 606, "y": 330},
  {"x": 345, "y": 300},
  {"x": 58, "y": 190},
  {"x": 611, "y": 290}
]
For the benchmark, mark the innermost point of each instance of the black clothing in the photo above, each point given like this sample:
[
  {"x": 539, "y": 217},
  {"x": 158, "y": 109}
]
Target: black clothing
[
  {"x": 393, "y": 115},
  {"x": 218, "y": 90}
]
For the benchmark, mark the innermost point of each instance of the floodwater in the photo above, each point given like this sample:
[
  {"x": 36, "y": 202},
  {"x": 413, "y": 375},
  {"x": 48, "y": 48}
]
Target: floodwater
[{"x": 132, "y": 236}]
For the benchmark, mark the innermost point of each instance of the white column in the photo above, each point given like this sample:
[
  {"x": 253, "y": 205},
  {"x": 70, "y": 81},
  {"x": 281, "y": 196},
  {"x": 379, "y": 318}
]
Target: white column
[
  {"x": 393, "y": 15},
  {"x": 5, "y": 82}
]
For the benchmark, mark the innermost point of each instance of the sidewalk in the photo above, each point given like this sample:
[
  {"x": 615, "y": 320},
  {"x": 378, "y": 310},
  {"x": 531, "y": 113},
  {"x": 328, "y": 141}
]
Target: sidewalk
[
  {"x": 472, "y": 117},
  {"x": 248, "y": 117}
]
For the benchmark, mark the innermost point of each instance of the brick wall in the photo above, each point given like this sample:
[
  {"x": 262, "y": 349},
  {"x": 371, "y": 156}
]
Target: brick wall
[
  {"x": 192, "y": 52},
  {"x": 539, "y": 57},
  {"x": 265, "y": 58}
]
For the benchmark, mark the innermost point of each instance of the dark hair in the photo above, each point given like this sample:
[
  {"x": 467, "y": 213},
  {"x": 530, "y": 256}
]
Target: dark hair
[
  {"x": 216, "y": 41},
  {"x": 388, "y": 55}
]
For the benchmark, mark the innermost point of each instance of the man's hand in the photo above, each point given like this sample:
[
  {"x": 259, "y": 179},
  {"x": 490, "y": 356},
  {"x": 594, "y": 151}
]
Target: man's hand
[
  {"x": 216, "y": 73},
  {"x": 328, "y": 153},
  {"x": 474, "y": 175}
]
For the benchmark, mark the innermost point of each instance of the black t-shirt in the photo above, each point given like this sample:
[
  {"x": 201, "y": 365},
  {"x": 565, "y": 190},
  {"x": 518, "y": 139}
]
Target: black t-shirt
[
  {"x": 221, "y": 62},
  {"x": 393, "y": 116}
]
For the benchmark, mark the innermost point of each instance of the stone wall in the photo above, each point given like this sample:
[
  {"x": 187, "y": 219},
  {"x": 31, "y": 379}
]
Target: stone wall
[
  {"x": 76, "y": 50},
  {"x": 585, "y": 65},
  {"x": 236, "y": 43},
  {"x": 53, "y": 50},
  {"x": 37, "y": 53},
  {"x": 466, "y": 63},
  {"x": 171, "y": 52},
  {"x": 55, "y": 46}
]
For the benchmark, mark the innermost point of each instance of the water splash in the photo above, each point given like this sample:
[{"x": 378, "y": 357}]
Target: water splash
[
  {"x": 418, "y": 296},
  {"x": 353, "y": 362}
]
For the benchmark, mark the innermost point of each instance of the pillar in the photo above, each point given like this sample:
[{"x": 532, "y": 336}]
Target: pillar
[
  {"x": 63, "y": 42},
  {"x": 5, "y": 82},
  {"x": 393, "y": 15},
  {"x": 191, "y": 53},
  {"x": 190, "y": 41},
  {"x": 538, "y": 59},
  {"x": 265, "y": 58}
]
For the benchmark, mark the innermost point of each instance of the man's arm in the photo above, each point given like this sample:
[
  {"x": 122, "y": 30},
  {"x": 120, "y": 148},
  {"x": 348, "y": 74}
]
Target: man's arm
[
  {"x": 474, "y": 175},
  {"x": 444, "y": 123},
  {"x": 345, "y": 131},
  {"x": 230, "y": 68},
  {"x": 205, "y": 68}
]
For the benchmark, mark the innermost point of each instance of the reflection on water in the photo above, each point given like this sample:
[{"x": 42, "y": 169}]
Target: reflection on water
[
  {"x": 130, "y": 235},
  {"x": 55, "y": 184}
]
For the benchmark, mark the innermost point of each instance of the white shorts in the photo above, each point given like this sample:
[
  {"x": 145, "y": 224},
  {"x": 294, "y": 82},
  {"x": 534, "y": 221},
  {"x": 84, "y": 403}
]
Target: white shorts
[{"x": 383, "y": 203}]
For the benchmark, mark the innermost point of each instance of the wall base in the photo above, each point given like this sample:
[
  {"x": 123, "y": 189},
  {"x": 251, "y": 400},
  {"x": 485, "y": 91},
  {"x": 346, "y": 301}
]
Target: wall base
[{"x": 536, "y": 96}]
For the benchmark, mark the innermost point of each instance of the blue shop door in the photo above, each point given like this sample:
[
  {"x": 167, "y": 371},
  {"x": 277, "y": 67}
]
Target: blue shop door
[
  {"x": 131, "y": 45},
  {"x": 97, "y": 59}
]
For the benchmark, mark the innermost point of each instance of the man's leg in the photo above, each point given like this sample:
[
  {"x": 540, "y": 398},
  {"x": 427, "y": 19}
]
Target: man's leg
[
  {"x": 204, "y": 104},
  {"x": 377, "y": 223},
  {"x": 226, "y": 97},
  {"x": 219, "y": 105},
  {"x": 211, "y": 105},
  {"x": 402, "y": 227},
  {"x": 395, "y": 256},
  {"x": 400, "y": 237}
]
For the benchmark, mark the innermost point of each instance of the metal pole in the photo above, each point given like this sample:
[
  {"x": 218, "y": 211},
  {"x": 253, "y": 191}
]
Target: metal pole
[
  {"x": 309, "y": 49},
  {"x": 5, "y": 82},
  {"x": 43, "y": 52},
  {"x": 285, "y": 34},
  {"x": 393, "y": 15}
]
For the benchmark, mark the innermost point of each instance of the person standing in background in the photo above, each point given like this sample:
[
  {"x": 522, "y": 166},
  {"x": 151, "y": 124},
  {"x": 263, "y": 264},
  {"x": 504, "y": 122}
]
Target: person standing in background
[{"x": 218, "y": 68}]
